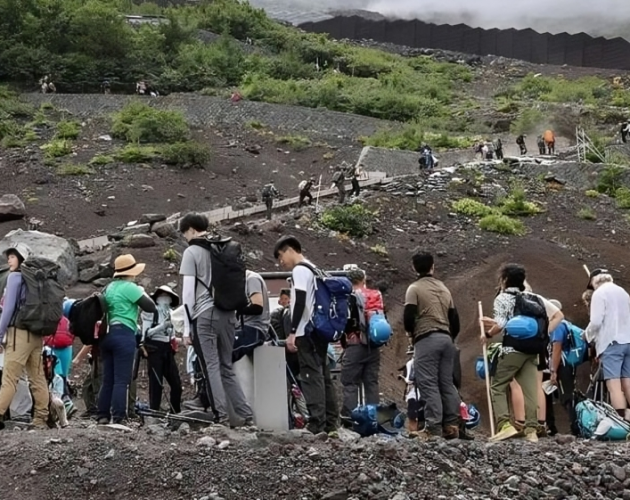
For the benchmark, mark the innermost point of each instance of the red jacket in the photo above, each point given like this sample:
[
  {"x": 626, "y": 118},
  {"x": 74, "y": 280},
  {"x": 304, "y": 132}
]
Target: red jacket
[{"x": 62, "y": 337}]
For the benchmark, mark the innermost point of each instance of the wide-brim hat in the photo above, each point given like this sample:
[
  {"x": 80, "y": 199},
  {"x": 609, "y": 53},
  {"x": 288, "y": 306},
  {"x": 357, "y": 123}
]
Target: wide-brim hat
[
  {"x": 594, "y": 272},
  {"x": 168, "y": 290},
  {"x": 126, "y": 265}
]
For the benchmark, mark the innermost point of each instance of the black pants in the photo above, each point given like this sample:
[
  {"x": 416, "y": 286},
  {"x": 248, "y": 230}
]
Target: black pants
[
  {"x": 269, "y": 204},
  {"x": 303, "y": 196},
  {"x": 356, "y": 188},
  {"x": 162, "y": 366},
  {"x": 565, "y": 393},
  {"x": 317, "y": 385},
  {"x": 523, "y": 149},
  {"x": 499, "y": 153},
  {"x": 342, "y": 193}
]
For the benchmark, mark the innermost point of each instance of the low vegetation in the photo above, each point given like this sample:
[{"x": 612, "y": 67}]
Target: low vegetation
[
  {"x": 186, "y": 154},
  {"x": 170, "y": 255},
  {"x": 133, "y": 153},
  {"x": 592, "y": 193},
  {"x": 380, "y": 250},
  {"x": 102, "y": 159},
  {"x": 587, "y": 213},
  {"x": 622, "y": 198},
  {"x": 412, "y": 136},
  {"x": 295, "y": 142},
  {"x": 502, "y": 224},
  {"x": 472, "y": 208},
  {"x": 57, "y": 148},
  {"x": 139, "y": 123},
  {"x": 610, "y": 179},
  {"x": 71, "y": 169},
  {"x": 67, "y": 129},
  {"x": 354, "y": 220},
  {"x": 516, "y": 204}
]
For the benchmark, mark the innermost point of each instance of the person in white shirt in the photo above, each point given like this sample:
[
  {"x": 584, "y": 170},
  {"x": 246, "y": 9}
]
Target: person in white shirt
[
  {"x": 317, "y": 384},
  {"x": 609, "y": 328}
]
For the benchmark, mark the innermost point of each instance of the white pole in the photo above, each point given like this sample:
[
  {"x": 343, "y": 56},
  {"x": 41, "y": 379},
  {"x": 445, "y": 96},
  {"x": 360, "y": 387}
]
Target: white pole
[
  {"x": 487, "y": 370},
  {"x": 319, "y": 189}
]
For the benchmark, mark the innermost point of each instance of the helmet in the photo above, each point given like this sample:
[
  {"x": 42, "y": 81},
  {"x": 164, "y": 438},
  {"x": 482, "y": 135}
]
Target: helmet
[
  {"x": 475, "y": 417},
  {"x": 67, "y": 305}
]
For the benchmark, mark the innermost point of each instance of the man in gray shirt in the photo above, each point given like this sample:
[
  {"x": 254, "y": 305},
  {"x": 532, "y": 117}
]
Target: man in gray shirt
[
  {"x": 255, "y": 318},
  {"x": 209, "y": 329}
]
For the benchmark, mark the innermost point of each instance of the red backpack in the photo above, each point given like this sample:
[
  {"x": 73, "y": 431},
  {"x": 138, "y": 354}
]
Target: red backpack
[
  {"x": 62, "y": 337},
  {"x": 373, "y": 302}
]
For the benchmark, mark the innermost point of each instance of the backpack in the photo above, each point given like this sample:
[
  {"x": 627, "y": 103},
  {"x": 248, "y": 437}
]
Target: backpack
[
  {"x": 597, "y": 420},
  {"x": 527, "y": 307},
  {"x": 379, "y": 331},
  {"x": 228, "y": 287},
  {"x": 331, "y": 312},
  {"x": 337, "y": 177},
  {"x": 267, "y": 192},
  {"x": 577, "y": 350},
  {"x": 302, "y": 185},
  {"x": 42, "y": 308},
  {"x": 493, "y": 360},
  {"x": 368, "y": 420},
  {"x": 85, "y": 315}
]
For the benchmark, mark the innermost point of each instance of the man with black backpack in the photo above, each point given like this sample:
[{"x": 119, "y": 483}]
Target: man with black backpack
[
  {"x": 339, "y": 182},
  {"x": 213, "y": 271},
  {"x": 269, "y": 193}
]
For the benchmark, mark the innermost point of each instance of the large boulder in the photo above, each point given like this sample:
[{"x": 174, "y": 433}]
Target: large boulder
[
  {"x": 11, "y": 208},
  {"x": 48, "y": 246}
]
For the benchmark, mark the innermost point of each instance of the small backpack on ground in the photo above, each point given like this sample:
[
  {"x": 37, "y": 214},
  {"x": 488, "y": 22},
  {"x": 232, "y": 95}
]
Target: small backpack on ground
[
  {"x": 228, "y": 287},
  {"x": 86, "y": 315},
  {"x": 368, "y": 420},
  {"x": 597, "y": 420},
  {"x": 331, "y": 305},
  {"x": 42, "y": 308},
  {"x": 379, "y": 331},
  {"x": 576, "y": 349}
]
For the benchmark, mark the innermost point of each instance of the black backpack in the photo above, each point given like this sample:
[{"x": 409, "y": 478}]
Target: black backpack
[
  {"x": 228, "y": 273},
  {"x": 530, "y": 305},
  {"x": 42, "y": 308},
  {"x": 85, "y": 314}
]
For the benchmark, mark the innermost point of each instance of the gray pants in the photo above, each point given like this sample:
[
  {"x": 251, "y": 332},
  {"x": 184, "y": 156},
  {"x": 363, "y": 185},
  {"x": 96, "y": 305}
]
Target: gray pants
[
  {"x": 215, "y": 329},
  {"x": 433, "y": 366},
  {"x": 361, "y": 365},
  {"x": 341, "y": 188}
]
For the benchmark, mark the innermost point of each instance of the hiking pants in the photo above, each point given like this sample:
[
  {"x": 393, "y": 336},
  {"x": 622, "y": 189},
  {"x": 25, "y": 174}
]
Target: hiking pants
[
  {"x": 317, "y": 385},
  {"x": 342, "y": 193},
  {"x": 522, "y": 368},
  {"x": 360, "y": 366},
  {"x": 215, "y": 329},
  {"x": 303, "y": 196},
  {"x": 118, "y": 350},
  {"x": 162, "y": 365},
  {"x": 523, "y": 149},
  {"x": 269, "y": 204},
  {"x": 433, "y": 365},
  {"x": 499, "y": 153},
  {"x": 23, "y": 351},
  {"x": 92, "y": 386},
  {"x": 356, "y": 188}
]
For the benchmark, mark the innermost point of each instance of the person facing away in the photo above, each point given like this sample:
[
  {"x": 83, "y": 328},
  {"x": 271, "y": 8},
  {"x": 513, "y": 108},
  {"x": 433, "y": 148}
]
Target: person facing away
[
  {"x": 208, "y": 328},
  {"x": 117, "y": 349},
  {"x": 498, "y": 148},
  {"x": 520, "y": 141},
  {"x": 549, "y": 139},
  {"x": 269, "y": 193},
  {"x": 160, "y": 344},
  {"x": 625, "y": 131},
  {"x": 540, "y": 142},
  {"x": 609, "y": 328},
  {"x": 355, "y": 173},
  {"x": 338, "y": 181},
  {"x": 61, "y": 343},
  {"x": 317, "y": 385},
  {"x": 22, "y": 349},
  {"x": 361, "y": 362},
  {"x": 431, "y": 319},
  {"x": 305, "y": 191}
]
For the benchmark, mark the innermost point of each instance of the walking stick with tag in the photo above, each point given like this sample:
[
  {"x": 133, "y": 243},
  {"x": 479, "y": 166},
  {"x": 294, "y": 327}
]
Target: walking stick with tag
[{"x": 487, "y": 370}]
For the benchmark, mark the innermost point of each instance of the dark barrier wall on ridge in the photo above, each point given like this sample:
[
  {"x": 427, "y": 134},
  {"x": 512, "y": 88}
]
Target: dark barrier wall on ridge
[{"x": 526, "y": 45}]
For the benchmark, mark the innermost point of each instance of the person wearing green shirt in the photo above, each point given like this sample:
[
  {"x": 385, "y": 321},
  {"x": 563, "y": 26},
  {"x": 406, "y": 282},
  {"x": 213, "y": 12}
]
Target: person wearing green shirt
[{"x": 118, "y": 348}]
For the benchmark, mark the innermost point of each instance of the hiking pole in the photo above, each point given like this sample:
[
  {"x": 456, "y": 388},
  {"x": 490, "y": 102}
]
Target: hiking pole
[
  {"x": 319, "y": 189},
  {"x": 588, "y": 273},
  {"x": 486, "y": 369}
]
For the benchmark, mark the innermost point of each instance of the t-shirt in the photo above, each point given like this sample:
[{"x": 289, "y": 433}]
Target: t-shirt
[
  {"x": 255, "y": 284},
  {"x": 561, "y": 335},
  {"x": 303, "y": 279},
  {"x": 433, "y": 300},
  {"x": 122, "y": 308},
  {"x": 196, "y": 262}
]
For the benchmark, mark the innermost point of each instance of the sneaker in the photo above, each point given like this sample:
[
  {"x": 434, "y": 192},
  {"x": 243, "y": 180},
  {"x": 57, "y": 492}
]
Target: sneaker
[
  {"x": 103, "y": 421},
  {"x": 194, "y": 405},
  {"x": 507, "y": 431},
  {"x": 249, "y": 422},
  {"x": 531, "y": 435}
]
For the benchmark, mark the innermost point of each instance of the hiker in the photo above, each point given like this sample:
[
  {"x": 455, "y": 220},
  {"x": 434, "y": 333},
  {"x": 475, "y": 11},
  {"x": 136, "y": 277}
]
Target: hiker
[
  {"x": 519, "y": 358},
  {"x": 60, "y": 407},
  {"x": 520, "y": 141},
  {"x": 117, "y": 349},
  {"x": 22, "y": 349},
  {"x": 361, "y": 361},
  {"x": 305, "y": 191},
  {"x": 269, "y": 192},
  {"x": 311, "y": 350},
  {"x": 354, "y": 174},
  {"x": 431, "y": 319},
  {"x": 61, "y": 344},
  {"x": 549, "y": 139},
  {"x": 625, "y": 131},
  {"x": 540, "y": 142},
  {"x": 415, "y": 405},
  {"x": 209, "y": 328},
  {"x": 253, "y": 328},
  {"x": 277, "y": 315},
  {"x": 338, "y": 181},
  {"x": 160, "y": 345},
  {"x": 608, "y": 328},
  {"x": 106, "y": 87},
  {"x": 498, "y": 148},
  {"x": 427, "y": 160}
]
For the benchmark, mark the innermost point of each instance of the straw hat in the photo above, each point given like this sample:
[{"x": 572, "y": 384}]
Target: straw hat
[
  {"x": 126, "y": 265},
  {"x": 168, "y": 290}
]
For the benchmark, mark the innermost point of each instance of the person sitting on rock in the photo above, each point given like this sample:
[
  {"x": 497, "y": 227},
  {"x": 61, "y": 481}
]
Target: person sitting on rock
[{"x": 60, "y": 406}]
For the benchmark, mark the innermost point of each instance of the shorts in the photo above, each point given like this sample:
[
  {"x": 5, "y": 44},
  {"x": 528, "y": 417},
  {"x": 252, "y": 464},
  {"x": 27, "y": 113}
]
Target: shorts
[
  {"x": 415, "y": 409},
  {"x": 616, "y": 361}
]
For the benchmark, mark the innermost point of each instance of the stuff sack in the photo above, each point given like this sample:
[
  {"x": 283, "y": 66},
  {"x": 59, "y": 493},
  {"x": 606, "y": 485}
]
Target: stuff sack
[
  {"x": 42, "y": 308},
  {"x": 574, "y": 352},
  {"x": 493, "y": 359},
  {"x": 87, "y": 318},
  {"x": 246, "y": 340},
  {"x": 331, "y": 312},
  {"x": 379, "y": 330},
  {"x": 522, "y": 327},
  {"x": 528, "y": 306},
  {"x": 600, "y": 421},
  {"x": 302, "y": 185}
]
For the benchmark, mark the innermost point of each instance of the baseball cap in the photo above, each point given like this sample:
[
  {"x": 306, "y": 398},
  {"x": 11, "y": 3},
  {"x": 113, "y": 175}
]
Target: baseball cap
[{"x": 594, "y": 272}]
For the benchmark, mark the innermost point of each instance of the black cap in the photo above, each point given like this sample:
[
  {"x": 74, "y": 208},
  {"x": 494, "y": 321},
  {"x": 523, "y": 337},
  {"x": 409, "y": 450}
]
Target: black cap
[{"x": 594, "y": 272}]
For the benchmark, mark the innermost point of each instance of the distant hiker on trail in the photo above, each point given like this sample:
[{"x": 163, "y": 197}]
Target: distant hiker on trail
[
  {"x": 117, "y": 349},
  {"x": 106, "y": 87},
  {"x": 540, "y": 142},
  {"x": 520, "y": 140},
  {"x": 213, "y": 271},
  {"x": 550, "y": 142},
  {"x": 305, "y": 187},
  {"x": 431, "y": 319},
  {"x": 160, "y": 345},
  {"x": 46, "y": 85},
  {"x": 489, "y": 150},
  {"x": 254, "y": 319},
  {"x": 498, "y": 148},
  {"x": 608, "y": 328},
  {"x": 22, "y": 348},
  {"x": 625, "y": 132},
  {"x": 269, "y": 193},
  {"x": 354, "y": 173},
  {"x": 311, "y": 349},
  {"x": 338, "y": 181},
  {"x": 427, "y": 160}
]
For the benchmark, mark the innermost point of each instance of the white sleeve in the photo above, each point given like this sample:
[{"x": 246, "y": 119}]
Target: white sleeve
[
  {"x": 302, "y": 278},
  {"x": 188, "y": 298}
]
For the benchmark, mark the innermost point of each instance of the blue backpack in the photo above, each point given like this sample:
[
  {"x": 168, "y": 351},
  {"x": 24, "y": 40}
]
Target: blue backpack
[
  {"x": 368, "y": 420},
  {"x": 379, "y": 330},
  {"x": 331, "y": 305},
  {"x": 577, "y": 349},
  {"x": 597, "y": 420}
]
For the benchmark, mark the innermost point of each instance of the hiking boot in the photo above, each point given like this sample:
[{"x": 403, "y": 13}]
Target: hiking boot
[
  {"x": 103, "y": 421},
  {"x": 507, "y": 431},
  {"x": 531, "y": 435},
  {"x": 450, "y": 432},
  {"x": 249, "y": 422},
  {"x": 194, "y": 405}
]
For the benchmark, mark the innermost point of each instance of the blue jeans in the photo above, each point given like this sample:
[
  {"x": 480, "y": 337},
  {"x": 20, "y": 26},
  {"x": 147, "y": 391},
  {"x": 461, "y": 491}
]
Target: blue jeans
[
  {"x": 118, "y": 350},
  {"x": 64, "y": 361}
]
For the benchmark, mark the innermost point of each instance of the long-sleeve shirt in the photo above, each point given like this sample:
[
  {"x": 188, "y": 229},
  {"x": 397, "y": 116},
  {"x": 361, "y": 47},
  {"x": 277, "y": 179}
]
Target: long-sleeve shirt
[
  {"x": 162, "y": 331},
  {"x": 610, "y": 317},
  {"x": 11, "y": 301}
]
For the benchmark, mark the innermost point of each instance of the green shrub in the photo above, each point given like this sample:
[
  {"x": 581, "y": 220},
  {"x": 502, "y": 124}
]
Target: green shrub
[
  {"x": 74, "y": 170},
  {"x": 587, "y": 90},
  {"x": 296, "y": 142},
  {"x": 57, "y": 148},
  {"x": 609, "y": 180},
  {"x": 380, "y": 250},
  {"x": 170, "y": 255},
  {"x": 68, "y": 129},
  {"x": 354, "y": 220},
  {"x": 11, "y": 106},
  {"x": 186, "y": 154},
  {"x": 592, "y": 193},
  {"x": 138, "y": 122},
  {"x": 102, "y": 159},
  {"x": 516, "y": 204},
  {"x": 473, "y": 208},
  {"x": 133, "y": 153},
  {"x": 527, "y": 122},
  {"x": 587, "y": 213},
  {"x": 622, "y": 198},
  {"x": 502, "y": 224}
]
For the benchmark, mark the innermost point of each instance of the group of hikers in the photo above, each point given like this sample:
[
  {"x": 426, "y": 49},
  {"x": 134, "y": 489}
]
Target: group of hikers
[{"x": 545, "y": 142}]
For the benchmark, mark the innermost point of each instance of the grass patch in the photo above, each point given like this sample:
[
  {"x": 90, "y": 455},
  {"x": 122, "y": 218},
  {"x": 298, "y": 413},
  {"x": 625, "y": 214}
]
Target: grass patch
[
  {"x": 133, "y": 153},
  {"x": 170, "y": 255},
  {"x": 592, "y": 193},
  {"x": 380, "y": 250},
  {"x": 255, "y": 125},
  {"x": 516, "y": 204},
  {"x": 610, "y": 180},
  {"x": 12, "y": 107},
  {"x": 186, "y": 154},
  {"x": 502, "y": 224},
  {"x": 74, "y": 170},
  {"x": 67, "y": 129},
  {"x": 622, "y": 198},
  {"x": 140, "y": 123},
  {"x": 413, "y": 135},
  {"x": 57, "y": 148},
  {"x": 354, "y": 220},
  {"x": 473, "y": 208},
  {"x": 587, "y": 213},
  {"x": 101, "y": 160},
  {"x": 587, "y": 90},
  {"x": 295, "y": 142}
]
